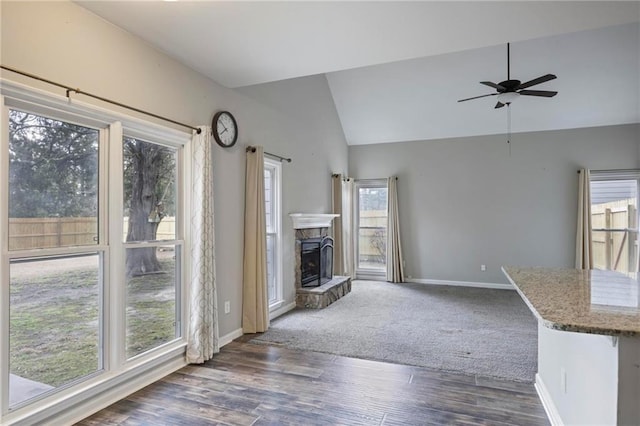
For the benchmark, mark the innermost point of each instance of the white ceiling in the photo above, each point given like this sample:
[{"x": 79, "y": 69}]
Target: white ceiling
[{"x": 396, "y": 69}]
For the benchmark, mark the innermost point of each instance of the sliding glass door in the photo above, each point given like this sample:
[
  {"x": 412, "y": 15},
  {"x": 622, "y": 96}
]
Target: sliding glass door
[
  {"x": 614, "y": 220},
  {"x": 371, "y": 215}
]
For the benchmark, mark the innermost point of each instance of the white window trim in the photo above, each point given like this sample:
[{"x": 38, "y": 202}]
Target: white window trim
[
  {"x": 619, "y": 174},
  {"x": 276, "y": 201},
  {"x": 365, "y": 273},
  {"x": 118, "y": 377}
]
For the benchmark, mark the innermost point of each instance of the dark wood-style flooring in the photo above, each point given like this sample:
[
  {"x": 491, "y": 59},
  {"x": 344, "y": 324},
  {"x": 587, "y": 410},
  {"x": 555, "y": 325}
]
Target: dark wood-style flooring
[{"x": 249, "y": 384}]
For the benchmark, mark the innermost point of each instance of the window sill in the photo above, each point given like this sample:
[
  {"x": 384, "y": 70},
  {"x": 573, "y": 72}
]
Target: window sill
[
  {"x": 77, "y": 402},
  {"x": 275, "y": 306}
]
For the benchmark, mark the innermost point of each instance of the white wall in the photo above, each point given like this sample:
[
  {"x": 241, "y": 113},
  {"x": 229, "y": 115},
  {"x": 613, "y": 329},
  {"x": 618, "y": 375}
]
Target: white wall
[
  {"x": 63, "y": 42},
  {"x": 466, "y": 202}
]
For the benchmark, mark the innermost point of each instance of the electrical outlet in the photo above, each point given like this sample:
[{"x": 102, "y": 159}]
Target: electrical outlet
[
  {"x": 563, "y": 380},
  {"x": 483, "y": 268},
  {"x": 227, "y": 307}
]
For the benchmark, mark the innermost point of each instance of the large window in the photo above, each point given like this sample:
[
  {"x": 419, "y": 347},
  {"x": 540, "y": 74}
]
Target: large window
[
  {"x": 372, "y": 228},
  {"x": 152, "y": 271},
  {"x": 614, "y": 220},
  {"x": 91, "y": 234},
  {"x": 272, "y": 190},
  {"x": 55, "y": 287}
]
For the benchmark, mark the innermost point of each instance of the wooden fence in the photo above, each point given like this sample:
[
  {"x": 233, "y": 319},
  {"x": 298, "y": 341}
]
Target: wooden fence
[
  {"x": 372, "y": 237},
  {"x": 45, "y": 232},
  {"x": 614, "y": 250},
  {"x": 616, "y": 246}
]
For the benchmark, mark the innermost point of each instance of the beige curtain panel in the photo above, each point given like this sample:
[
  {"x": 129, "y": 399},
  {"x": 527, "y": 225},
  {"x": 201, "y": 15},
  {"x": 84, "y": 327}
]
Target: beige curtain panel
[
  {"x": 202, "y": 335},
  {"x": 337, "y": 225},
  {"x": 584, "y": 254},
  {"x": 395, "y": 262},
  {"x": 255, "y": 303}
]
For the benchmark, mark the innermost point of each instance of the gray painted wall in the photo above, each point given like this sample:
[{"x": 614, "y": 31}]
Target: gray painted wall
[
  {"x": 63, "y": 42},
  {"x": 466, "y": 202}
]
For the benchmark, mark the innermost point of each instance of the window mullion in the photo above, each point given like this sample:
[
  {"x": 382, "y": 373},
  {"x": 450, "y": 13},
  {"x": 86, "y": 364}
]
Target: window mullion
[
  {"x": 115, "y": 288},
  {"x": 103, "y": 233},
  {"x": 4, "y": 262}
]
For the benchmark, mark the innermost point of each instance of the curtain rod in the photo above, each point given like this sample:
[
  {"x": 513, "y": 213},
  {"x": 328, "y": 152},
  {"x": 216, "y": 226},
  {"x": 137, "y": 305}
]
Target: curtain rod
[
  {"x": 614, "y": 171},
  {"x": 81, "y": 92},
  {"x": 344, "y": 178},
  {"x": 278, "y": 157}
]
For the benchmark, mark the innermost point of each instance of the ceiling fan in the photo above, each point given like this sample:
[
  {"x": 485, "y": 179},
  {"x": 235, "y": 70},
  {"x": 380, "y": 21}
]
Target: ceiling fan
[{"x": 509, "y": 90}]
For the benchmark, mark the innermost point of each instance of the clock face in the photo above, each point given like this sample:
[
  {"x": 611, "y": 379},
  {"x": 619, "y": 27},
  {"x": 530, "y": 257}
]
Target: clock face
[{"x": 225, "y": 129}]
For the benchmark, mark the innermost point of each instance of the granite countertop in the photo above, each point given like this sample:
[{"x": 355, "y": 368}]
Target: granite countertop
[{"x": 592, "y": 301}]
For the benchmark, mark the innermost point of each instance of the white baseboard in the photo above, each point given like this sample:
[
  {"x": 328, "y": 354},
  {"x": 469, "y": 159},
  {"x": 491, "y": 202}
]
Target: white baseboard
[
  {"x": 547, "y": 402},
  {"x": 282, "y": 310},
  {"x": 497, "y": 286},
  {"x": 229, "y": 337}
]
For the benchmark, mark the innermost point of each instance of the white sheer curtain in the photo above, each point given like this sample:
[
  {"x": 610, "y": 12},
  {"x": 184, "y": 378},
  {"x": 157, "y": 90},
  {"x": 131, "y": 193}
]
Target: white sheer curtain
[
  {"x": 255, "y": 303},
  {"x": 202, "y": 337},
  {"x": 395, "y": 262},
  {"x": 584, "y": 254}
]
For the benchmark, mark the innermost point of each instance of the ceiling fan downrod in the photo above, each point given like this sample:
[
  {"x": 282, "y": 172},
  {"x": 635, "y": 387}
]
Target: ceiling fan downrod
[{"x": 508, "y": 61}]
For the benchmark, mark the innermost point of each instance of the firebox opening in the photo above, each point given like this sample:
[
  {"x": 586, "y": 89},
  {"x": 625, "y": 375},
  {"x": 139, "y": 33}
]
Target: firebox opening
[{"x": 316, "y": 266}]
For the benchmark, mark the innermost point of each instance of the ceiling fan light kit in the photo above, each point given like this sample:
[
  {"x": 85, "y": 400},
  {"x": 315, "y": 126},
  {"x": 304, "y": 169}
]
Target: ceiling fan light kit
[{"x": 508, "y": 97}]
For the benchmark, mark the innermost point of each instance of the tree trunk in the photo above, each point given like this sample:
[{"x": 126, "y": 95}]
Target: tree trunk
[{"x": 143, "y": 225}]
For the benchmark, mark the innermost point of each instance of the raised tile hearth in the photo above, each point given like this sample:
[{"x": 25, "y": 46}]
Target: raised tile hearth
[{"x": 324, "y": 295}]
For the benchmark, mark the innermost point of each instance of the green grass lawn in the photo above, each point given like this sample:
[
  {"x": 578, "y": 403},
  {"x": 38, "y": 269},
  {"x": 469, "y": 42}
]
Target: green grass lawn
[{"x": 54, "y": 321}]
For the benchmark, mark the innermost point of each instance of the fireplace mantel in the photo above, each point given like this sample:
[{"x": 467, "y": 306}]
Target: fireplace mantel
[{"x": 312, "y": 220}]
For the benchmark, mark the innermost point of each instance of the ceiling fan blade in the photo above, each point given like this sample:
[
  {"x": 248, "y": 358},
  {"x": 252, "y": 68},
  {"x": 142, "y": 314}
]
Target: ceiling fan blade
[
  {"x": 494, "y": 85},
  {"x": 477, "y": 97},
  {"x": 543, "y": 93},
  {"x": 537, "y": 81},
  {"x": 499, "y": 105}
]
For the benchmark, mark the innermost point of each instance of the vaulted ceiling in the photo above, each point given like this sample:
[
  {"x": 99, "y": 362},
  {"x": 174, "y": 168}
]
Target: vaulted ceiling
[{"x": 396, "y": 69}]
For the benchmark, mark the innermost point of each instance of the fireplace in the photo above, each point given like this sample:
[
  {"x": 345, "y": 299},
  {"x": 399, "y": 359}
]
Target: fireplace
[
  {"x": 316, "y": 261},
  {"x": 316, "y": 286}
]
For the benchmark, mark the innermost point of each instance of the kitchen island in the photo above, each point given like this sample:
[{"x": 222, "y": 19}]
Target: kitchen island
[{"x": 588, "y": 343}]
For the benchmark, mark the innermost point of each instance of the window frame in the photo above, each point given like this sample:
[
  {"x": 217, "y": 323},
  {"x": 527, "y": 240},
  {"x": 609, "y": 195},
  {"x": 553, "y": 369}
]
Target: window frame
[
  {"x": 6, "y": 256},
  {"x": 617, "y": 175},
  {"x": 116, "y": 369},
  {"x": 276, "y": 210},
  {"x": 366, "y": 273}
]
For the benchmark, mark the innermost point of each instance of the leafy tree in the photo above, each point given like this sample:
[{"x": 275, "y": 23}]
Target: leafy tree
[
  {"x": 373, "y": 199},
  {"x": 52, "y": 167},
  {"x": 149, "y": 171},
  {"x": 53, "y": 172}
]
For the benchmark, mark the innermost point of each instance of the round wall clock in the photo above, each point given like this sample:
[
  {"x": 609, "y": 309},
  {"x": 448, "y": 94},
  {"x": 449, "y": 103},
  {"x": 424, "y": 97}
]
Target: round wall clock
[{"x": 224, "y": 129}]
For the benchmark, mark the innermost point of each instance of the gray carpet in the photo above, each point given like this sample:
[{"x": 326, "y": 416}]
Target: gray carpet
[{"x": 459, "y": 329}]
